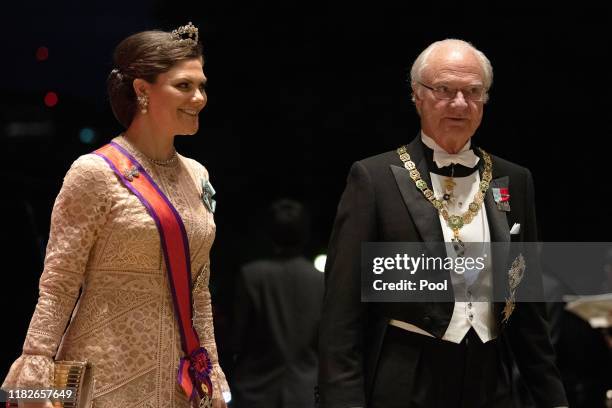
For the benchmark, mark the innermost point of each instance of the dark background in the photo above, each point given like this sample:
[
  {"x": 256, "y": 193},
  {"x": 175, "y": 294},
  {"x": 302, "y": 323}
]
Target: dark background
[{"x": 297, "y": 92}]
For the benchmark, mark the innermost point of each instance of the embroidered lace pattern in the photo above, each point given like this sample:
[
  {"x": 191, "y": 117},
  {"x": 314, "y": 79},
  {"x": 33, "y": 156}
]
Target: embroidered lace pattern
[{"x": 104, "y": 243}]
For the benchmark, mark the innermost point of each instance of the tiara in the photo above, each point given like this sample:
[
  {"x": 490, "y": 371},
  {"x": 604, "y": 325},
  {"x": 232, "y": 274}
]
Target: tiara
[{"x": 187, "y": 32}]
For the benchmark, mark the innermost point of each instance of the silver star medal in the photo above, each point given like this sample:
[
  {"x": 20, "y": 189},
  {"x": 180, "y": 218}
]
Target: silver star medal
[
  {"x": 207, "y": 196},
  {"x": 515, "y": 276}
]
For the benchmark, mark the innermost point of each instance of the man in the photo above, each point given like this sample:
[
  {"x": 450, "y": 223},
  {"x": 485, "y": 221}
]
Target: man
[
  {"x": 434, "y": 354},
  {"x": 278, "y": 308}
]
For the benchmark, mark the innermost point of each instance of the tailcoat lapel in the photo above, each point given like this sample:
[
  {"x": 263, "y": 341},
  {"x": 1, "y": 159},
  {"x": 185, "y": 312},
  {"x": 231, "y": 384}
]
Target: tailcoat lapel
[
  {"x": 423, "y": 213},
  {"x": 500, "y": 234}
]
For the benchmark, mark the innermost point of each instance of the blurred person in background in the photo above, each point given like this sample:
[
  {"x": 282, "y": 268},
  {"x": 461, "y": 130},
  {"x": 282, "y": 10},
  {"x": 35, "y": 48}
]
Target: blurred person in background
[{"x": 277, "y": 313}]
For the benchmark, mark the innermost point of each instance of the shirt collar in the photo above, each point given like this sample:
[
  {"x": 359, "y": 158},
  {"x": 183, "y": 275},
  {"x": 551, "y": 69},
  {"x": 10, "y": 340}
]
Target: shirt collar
[{"x": 429, "y": 142}]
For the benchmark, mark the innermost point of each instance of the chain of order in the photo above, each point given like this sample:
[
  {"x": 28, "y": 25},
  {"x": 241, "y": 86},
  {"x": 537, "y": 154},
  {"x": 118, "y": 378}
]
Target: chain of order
[{"x": 454, "y": 222}]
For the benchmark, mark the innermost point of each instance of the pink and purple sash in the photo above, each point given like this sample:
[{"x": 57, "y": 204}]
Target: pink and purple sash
[{"x": 194, "y": 369}]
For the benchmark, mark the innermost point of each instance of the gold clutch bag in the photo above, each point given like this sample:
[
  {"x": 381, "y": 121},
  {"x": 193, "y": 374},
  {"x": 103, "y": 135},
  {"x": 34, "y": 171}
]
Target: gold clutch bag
[{"x": 78, "y": 376}]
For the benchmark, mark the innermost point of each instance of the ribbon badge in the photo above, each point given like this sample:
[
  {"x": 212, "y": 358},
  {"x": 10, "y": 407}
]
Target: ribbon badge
[
  {"x": 202, "y": 366},
  {"x": 501, "y": 197},
  {"x": 194, "y": 376},
  {"x": 207, "y": 196},
  {"x": 515, "y": 276}
]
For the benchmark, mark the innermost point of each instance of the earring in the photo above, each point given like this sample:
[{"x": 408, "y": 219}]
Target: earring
[{"x": 143, "y": 102}]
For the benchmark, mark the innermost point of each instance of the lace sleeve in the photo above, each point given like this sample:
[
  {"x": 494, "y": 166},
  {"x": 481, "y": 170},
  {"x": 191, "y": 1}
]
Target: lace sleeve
[
  {"x": 203, "y": 323},
  {"x": 80, "y": 210}
]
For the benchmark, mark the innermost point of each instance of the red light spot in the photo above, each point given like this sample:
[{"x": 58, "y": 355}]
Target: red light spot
[
  {"x": 42, "y": 53},
  {"x": 51, "y": 99}
]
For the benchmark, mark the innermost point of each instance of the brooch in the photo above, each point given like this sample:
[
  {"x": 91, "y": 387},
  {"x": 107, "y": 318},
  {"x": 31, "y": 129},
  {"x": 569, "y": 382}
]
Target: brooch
[
  {"x": 130, "y": 173},
  {"x": 207, "y": 196}
]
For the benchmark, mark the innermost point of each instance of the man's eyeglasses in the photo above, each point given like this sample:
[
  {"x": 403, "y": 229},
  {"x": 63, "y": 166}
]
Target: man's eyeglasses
[{"x": 474, "y": 93}]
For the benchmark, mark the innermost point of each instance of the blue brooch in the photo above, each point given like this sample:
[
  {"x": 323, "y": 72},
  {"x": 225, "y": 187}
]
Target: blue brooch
[{"x": 207, "y": 196}]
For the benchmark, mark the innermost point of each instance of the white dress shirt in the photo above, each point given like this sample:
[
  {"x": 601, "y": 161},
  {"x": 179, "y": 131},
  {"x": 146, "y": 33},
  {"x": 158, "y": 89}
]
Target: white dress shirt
[
  {"x": 475, "y": 284},
  {"x": 473, "y": 313}
]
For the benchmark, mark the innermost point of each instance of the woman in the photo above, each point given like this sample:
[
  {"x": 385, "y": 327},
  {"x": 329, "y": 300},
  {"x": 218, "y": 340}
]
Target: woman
[{"x": 110, "y": 245}]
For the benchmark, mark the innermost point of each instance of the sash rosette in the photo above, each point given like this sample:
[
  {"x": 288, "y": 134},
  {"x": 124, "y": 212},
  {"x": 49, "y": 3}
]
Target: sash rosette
[{"x": 196, "y": 369}]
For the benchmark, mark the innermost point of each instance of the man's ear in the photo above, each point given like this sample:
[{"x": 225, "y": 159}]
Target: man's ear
[
  {"x": 416, "y": 98},
  {"x": 141, "y": 87}
]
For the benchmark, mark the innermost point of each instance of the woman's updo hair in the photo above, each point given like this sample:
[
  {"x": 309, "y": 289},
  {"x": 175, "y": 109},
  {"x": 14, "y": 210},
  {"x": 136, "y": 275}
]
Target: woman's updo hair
[{"x": 145, "y": 55}]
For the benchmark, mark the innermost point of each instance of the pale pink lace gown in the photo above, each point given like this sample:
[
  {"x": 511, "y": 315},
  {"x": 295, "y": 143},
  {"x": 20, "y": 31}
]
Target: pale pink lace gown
[{"x": 104, "y": 242}]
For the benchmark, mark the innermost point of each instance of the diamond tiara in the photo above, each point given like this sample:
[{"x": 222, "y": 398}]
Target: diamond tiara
[{"x": 187, "y": 32}]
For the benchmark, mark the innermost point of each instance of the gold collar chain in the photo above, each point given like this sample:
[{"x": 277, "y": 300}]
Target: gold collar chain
[{"x": 454, "y": 222}]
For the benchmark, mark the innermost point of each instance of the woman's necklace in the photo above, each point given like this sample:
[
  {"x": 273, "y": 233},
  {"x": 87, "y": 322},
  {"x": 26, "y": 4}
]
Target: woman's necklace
[{"x": 168, "y": 162}]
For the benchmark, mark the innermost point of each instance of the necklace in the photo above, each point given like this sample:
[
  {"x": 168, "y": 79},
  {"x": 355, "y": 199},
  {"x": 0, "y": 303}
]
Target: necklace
[
  {"x": 454, "y": 222},
  {"x": 168, "y": 162}
]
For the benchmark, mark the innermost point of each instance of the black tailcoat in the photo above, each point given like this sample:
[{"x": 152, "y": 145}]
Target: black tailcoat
[{"x": 381, "y": 203}]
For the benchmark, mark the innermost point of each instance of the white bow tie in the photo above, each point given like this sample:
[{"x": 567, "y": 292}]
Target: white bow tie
[{"x": 467, "y": 158}]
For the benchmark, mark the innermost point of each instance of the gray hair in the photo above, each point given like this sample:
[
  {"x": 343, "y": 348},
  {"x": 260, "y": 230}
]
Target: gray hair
[{"x": 420, "y": 63}]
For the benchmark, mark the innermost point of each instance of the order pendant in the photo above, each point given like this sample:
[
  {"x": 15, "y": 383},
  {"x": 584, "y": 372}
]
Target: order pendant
[
  {"x": 455, "y": 222},
  {"x": 458, "y": 244}
]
